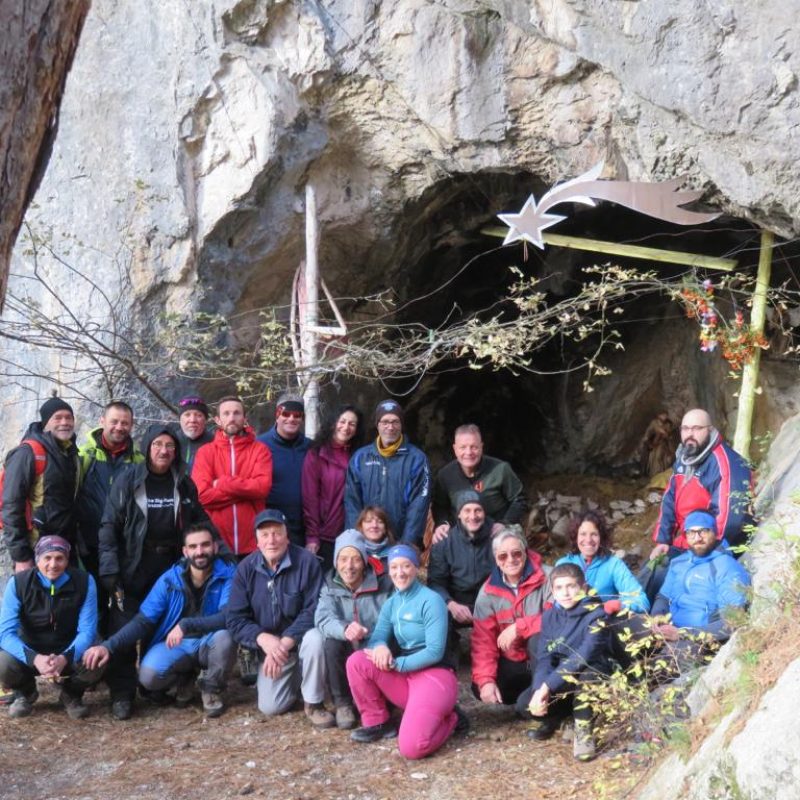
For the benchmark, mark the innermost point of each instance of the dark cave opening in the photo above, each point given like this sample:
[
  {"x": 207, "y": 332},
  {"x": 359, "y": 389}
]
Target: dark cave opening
[{"x": 546, "y": 422}]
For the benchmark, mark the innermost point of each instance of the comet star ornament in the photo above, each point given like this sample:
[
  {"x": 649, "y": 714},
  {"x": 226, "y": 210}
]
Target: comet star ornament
[{"x": 659, "y": 200}]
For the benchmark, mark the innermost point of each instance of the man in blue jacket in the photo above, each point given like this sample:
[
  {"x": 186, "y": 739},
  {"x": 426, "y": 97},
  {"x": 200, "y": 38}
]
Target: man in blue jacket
[
  {"x": 271, "y": 610},
  {"x": 48, "y": 619},
  {"x": 390, "y": 473},
  {"x": 700, "y": 584},
  {"x": 183, "y": 616},
  {"x": 288, "y": 445}
]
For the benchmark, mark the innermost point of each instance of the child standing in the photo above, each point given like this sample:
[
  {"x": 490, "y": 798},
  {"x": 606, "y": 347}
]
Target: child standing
[{"x": 573, "y": 646}]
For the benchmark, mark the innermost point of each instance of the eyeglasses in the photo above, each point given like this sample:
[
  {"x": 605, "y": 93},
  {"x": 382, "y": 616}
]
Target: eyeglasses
[
  {"x": 390, "y": 424},
  {"x": 292, "y": 414},
  {"x": 514, "y": 555},
  {"x": 697, "y": 533},
  {"x": 158, "y": 446},
  {"x": 693, "y": 428}
]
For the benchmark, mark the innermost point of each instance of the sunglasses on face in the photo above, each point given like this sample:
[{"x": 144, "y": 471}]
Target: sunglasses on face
[
  {"x": 291, "y": 414},
  {"x": 514, "y": 555}
]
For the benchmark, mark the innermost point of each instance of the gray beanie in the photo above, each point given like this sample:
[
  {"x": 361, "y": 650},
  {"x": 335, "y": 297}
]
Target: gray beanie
[
  {"x": 467, "y": 496},
  {"x": 350, "y": 538}
]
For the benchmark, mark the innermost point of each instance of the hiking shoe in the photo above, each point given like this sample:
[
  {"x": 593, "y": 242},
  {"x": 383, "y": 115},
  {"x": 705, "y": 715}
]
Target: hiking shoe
[
  {"x": 248, "y": 666},
  {"x": 122, "y": 709},
  {"x": 74, "y": 706},
  {"x": 184, "y": 692},
  {"x": 462, "y": 726},
  {"x": 22, "y": 705},
  {"x": 583, "y": 744},
  {"x": 541, "y": 730},
  {"x": 319, "y": 716},
  {"x": 212, "y": 704},
  {"x": 386, "y": 730},
  {"x": 7, "y": 696},
  {"x": 346, "y": 718}
]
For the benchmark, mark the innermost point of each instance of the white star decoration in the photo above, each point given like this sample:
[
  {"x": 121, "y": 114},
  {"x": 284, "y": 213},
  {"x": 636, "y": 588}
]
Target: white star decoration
[{"x": 528, "y": 224}]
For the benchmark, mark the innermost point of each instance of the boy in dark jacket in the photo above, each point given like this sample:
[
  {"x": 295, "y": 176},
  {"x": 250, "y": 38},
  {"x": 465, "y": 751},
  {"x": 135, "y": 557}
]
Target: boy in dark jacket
[{"x": 573, "y": 646}]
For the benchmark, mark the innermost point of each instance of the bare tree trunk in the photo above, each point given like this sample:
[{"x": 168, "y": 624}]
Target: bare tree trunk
[{"x": 37, "y": 43}]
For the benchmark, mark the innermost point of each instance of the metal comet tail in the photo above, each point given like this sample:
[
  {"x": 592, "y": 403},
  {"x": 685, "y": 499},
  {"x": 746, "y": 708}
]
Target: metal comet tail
[{"x": 659, "y": 200}]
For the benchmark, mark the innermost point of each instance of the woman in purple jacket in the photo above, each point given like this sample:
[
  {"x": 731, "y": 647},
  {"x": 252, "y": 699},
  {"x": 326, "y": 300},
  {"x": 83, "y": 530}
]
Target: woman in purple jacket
[{"x": 324, "y": 472}]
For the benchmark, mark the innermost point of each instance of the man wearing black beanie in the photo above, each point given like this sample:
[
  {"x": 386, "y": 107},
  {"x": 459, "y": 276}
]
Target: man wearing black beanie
[{"x": 41, "y": 480}]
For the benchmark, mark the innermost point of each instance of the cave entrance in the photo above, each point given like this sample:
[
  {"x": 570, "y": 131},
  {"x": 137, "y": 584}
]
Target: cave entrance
[{"x": 543, "y": 421}]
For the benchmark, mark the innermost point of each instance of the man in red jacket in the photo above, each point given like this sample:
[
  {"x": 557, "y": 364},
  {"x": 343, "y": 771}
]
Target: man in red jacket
[{"x": 233, "y": 474}]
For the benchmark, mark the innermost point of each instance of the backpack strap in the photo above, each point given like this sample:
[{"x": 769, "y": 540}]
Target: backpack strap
[{"x": 39, "y": 455}]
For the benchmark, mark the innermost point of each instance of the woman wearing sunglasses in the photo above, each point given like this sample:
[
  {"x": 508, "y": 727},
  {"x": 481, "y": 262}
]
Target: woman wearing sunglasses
[{"x": 507, "y": 620}]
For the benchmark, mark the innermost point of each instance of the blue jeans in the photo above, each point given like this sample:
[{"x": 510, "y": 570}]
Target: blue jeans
[{"x": 215, "y": 652}]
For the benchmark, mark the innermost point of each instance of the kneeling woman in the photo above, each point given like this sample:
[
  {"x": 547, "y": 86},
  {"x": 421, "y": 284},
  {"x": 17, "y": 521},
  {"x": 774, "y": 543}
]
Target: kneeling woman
[{"x": 403, "y": 663}]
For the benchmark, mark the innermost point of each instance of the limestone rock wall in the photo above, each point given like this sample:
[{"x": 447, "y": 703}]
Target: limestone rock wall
[{"x": 189, "y": 130}]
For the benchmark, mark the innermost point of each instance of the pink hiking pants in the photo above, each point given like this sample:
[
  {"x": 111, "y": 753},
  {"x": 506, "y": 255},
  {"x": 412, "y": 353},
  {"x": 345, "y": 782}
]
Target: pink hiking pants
[{"x": 427, "y": 697}]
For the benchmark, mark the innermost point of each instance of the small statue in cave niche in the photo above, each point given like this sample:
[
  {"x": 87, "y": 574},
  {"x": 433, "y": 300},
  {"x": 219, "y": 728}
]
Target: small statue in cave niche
[{"x": 658, "y": 445}]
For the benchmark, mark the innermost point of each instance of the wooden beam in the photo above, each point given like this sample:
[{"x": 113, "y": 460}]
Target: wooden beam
[
  {"x": 749, "y": 387},
  {"x": 628, "y": 250}
]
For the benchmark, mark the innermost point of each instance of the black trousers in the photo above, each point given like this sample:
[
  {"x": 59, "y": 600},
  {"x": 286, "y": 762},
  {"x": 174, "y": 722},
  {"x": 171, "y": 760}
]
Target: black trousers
[
  {"x": 17, "y": 675},
  {"x": 336, "y": 654}
]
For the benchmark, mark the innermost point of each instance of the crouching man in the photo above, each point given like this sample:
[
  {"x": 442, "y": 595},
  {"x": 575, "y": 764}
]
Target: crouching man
[
  {"x": 273, "y": 600},
  {"x": 183, "y": 617},
  {"x": 49, "y": 618}
]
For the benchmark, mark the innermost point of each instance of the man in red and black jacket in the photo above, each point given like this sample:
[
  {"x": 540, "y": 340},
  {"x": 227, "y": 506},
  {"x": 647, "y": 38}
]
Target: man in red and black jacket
[
  {"x": 40, "y": 483},
  {"x": 708, "y": 474}
]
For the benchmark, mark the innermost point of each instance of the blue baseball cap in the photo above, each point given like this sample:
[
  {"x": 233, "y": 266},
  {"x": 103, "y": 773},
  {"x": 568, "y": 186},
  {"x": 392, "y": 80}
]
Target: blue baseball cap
[{"x": 270, "y": 515}]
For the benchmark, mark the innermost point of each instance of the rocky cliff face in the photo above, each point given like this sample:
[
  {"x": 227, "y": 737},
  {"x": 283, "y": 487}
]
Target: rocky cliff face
[{"x": 188, "y": 132}]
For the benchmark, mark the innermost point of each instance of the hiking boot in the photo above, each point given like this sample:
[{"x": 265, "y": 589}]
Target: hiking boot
[
  {"x": 248, "y": 666},
  {"x": 541, "y": 729},
  {"x": 7, "y": 696},
  {"x": 386, "y": 730},
  {"x": 319, "y": 716},
  {"x": 345, "y": 717},
  {"x": 212, "y": 704},
  {"x": 184, "y": 692},
  {"x": 73, "y": 705},
  {"x": 122, "y": 709},
  {"x": 583, "y": 747},
  {"x": 22, "y": 705}
]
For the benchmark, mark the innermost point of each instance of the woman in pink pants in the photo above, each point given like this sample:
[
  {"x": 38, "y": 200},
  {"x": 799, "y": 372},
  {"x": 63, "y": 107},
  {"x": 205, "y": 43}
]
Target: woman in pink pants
[{"x": 404, "y": 664}]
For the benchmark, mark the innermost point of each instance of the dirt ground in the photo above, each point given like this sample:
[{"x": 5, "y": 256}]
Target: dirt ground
[
  {"x": 172, "y": 754},
  {"x": 177, "y": 753}
]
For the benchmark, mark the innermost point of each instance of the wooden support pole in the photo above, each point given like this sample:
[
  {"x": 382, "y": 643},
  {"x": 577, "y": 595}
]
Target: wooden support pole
[
  {"x": 628, "y": 250},
  {"x": 310, "y": 315},
  {"x": 748, "y": 389}
]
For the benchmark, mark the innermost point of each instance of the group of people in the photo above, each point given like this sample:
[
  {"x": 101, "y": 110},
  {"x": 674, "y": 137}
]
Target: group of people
[{"x": 154, "y": 567}]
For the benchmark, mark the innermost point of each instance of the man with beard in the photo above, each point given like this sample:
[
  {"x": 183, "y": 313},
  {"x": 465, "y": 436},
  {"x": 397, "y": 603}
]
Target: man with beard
[
  {"x": 191, "y": 428},
  {"x": 233, "y": 474},
  {"x": 183, "y": 618},
  {"x": 700, "y": 585},
  {"x": 140, "y": 538},
  {"x": 40, "y": 483},
  {"x": 707, "y": 473}
]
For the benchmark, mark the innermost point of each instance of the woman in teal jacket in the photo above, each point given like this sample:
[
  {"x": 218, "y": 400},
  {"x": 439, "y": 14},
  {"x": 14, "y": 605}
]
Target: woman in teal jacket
[
  {"x": 404, "y": 663},
  {"x": 608, "y": 575}
]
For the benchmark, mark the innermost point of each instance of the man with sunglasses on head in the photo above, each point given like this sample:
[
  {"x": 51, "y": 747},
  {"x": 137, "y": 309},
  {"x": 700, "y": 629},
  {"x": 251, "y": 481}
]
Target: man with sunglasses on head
[
  {"x": 140, "y": 538},
  {"x": 192, "y": 427},
  {"x": 288, "y": 445},
  {"x": 708, "y": 473}
]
